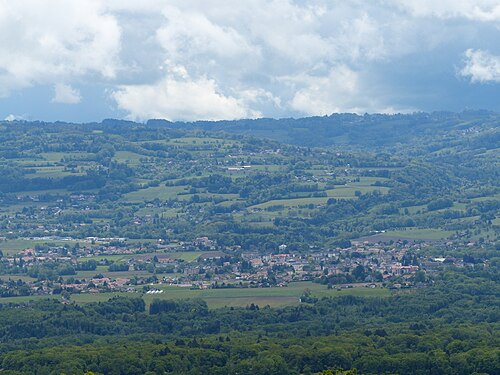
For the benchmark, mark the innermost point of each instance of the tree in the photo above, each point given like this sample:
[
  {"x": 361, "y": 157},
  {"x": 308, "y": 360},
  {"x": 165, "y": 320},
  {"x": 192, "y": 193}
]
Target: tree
[{"x": 359, "y": 273}]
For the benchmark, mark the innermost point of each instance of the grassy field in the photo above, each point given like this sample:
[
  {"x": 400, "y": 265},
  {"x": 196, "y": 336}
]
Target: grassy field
[
  {"x": 55, "y": 157},
  {"x": 17, "y": 277},
  {"x": 419, "y": 234},
  {"x": 128, "y": 157},
  {"x": 216, "y": 298},
  {"x": 275, "y": 297},
  {"x": 103, "y": 270},
  {"x": 187, "y": 256},
  {"x": 269, "y": 167},
  {"x": 17, "y": 207},
  {"x": 24, "y": 299},
  {"x": 11, "y": 247},
  {"x": 487, "y": 198},
  {"x": 371, "y": 180},
  {"x": 201, "y": 141},
  {"x": 51, "y": 172},
  {"x": 291, "y": 202},
  {"x": 161, "y": 192},
  {"x": 349, "y": 191}
]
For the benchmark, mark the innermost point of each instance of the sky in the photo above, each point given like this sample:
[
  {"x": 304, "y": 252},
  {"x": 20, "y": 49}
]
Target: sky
[{"x": 87, "y": 60}]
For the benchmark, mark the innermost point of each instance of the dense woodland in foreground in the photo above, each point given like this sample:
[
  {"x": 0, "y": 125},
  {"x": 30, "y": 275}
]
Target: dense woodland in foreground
[
  {"x": 449, "y": 328},
  {"x": 250, "y": 186}
]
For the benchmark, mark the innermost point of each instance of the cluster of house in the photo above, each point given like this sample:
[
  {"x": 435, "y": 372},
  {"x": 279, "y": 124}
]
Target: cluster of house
[
  {"x": 378, "y": 264},
  {"x": 374, "y": 264}
]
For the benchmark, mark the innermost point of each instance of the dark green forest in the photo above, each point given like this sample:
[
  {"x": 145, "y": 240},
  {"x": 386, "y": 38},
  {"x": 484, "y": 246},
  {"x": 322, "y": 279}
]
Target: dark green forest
[{"x": 449, "y": 328}]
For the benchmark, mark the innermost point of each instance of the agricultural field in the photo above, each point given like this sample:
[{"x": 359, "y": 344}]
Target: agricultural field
[
  {"x": 13, "y": 246},
  {"x": 419, "y": 234},
  {"x": 274, "y": 297},
  {"x": 216, "y": 298}
]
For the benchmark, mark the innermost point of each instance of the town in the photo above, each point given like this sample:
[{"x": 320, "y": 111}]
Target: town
[{"x": 99, "y": 265}]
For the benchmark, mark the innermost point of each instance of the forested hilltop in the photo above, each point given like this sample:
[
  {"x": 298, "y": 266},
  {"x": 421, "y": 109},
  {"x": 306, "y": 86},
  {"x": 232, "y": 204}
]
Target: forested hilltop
[
  {"x": 295, "y": 246},
  {"x": 351, "y": 130}
]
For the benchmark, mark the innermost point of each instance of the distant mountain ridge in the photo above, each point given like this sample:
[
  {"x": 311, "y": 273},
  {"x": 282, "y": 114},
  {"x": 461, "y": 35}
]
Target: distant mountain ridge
[
  {"x": 342, "y": 129},
  {"x": 348, "y": 128}
]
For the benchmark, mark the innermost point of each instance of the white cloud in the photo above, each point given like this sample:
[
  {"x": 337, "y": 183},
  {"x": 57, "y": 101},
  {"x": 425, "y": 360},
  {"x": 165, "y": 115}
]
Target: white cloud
[
  {"x": 260, "y": 96},
  {"x": 323, "y": 95},
  {"x": 479, "y": 10},
  {"x": 481, "y": 66},
  {"x": 270, "y": 57},
  {"x": 284, "y": 56},
  {"x": 192, "y": 34},
  {"x": 177, "y": 96},
  {"x": 54, "y": 40},
  {"x": 11, "y": 117},
  {"x": 66, "y": 94},
  {"x": 247, "y": 48}
]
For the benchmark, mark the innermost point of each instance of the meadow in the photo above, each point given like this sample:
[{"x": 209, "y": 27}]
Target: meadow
[
  {"x": 419, "y": 234},
  {"x": 216, "y": 298},
  {"x": 241, "y": 297}
]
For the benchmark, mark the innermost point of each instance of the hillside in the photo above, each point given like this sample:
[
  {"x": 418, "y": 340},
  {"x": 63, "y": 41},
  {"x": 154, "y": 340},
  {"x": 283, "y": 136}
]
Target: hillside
[{"x": 175, "y": 181}]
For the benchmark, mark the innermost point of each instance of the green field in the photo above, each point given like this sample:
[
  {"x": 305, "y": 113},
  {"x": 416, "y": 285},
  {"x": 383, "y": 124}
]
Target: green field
[
  {"x": 11, "y": 247},
  {"x": 495, "y": 197},
  {"x": 349, "y": 191},
  {"x": 216, "y": 298},
  {"x": 128, "y": 157},
  {"x": 55, "y": 157},
  {"x": 187, "y": 256},
  {"x": 276, "y": 296},
  {"x": 291, "y": 202},
  {"x": 419, "y": 234},
  {"x": 17, "y": 277},
  {"x": 51, "y": 172},
  {"x": 24, "y": 299},
  {"x": 161, "y": 192}
]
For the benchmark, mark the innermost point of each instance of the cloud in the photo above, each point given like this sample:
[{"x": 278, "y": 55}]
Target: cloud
[
  {"x": 192, "y": 34},
  {"x": 246, "y": 50},
  {"x": 481, "y": 66},
  {"x": 56, "y": 40},
  {"x": 322, "y": 95},
  {"x": 275, "y": 58},
  {"x": 12, "y": 117},
  {"x": 479, "y": 10},
  {"x": 177, "y": 96},
  {"x": 65, "y": 94}
]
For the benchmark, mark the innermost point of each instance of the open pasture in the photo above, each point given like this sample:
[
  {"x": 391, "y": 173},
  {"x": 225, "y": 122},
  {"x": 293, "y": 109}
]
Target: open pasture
[
  {"x": 349, "y": 191},
  {"x": 10, "y": 247},
  {"x": 275, "y": 296},
  {"x": 187, "y": 256},
  {"x": 56, "y": 157},
  {"x": 216, "y": 298},
  {"x": 128, "y": 157},
  {"x": 240, "y": 297},
  {"x": 292, "y": 202},
  {"x": 161, "y": 192},
  {"x": 419, "y": 234},
  {"x": 51, "y": 172}
]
